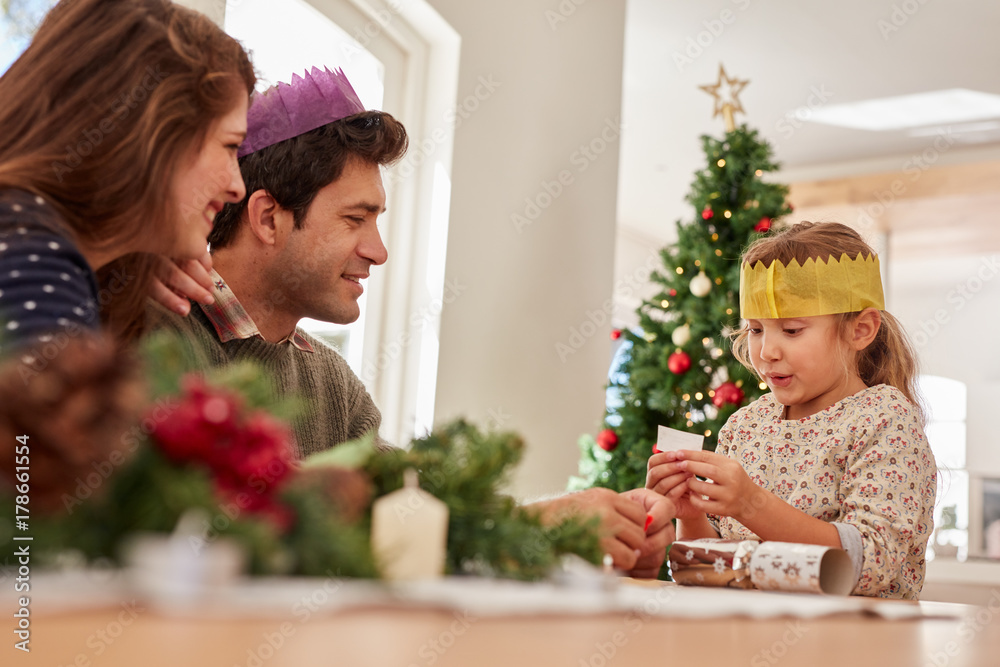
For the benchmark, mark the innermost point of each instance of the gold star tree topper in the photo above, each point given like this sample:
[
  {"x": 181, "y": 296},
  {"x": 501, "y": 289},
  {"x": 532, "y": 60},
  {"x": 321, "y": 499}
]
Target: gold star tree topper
[{"x": 726, "y": 92}]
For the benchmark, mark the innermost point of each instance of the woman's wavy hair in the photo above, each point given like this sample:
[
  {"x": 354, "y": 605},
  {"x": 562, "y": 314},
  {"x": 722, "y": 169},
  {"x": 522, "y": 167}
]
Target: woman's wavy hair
[
  {"x": 110, "y": 97},
  {"x": 890, "y": 358}
]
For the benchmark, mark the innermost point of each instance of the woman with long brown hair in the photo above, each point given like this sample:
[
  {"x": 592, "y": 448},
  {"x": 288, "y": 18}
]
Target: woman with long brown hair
[{"x": 120, "y": 123}]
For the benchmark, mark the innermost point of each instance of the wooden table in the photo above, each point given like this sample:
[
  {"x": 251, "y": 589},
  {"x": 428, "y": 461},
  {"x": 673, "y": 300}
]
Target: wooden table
[{"x": 137, "y": 637}]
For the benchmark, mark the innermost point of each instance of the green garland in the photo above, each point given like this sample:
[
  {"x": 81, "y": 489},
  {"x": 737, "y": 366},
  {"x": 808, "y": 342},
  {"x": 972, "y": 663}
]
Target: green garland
[{"x": 489, "y": 534}]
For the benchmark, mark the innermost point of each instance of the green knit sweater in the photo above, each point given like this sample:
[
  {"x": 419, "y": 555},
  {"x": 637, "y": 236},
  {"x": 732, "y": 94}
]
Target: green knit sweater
[{"x": 338, "y": 408}]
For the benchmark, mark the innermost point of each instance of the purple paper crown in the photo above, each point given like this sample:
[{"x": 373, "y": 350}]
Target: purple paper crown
[{"x": 290, "y": 109}]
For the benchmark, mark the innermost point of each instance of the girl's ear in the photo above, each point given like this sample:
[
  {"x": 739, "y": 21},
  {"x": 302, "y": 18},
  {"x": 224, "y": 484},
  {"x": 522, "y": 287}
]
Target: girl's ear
[{"x": 865, "y": 328}]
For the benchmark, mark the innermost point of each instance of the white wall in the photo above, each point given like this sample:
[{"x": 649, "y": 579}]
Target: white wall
[
  {"x": 949, "y": 308},
  {"x": 536, "y": 87},
  {"x": 213, "y": 9}
]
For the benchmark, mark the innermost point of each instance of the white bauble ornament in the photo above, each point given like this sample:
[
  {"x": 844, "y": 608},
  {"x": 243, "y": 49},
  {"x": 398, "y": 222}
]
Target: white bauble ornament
[
  {"x": 681, "y": 335},
  {"x": 701, "y": 285}
]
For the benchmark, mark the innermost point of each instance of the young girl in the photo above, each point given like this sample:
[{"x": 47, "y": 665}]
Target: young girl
[
  {"x": 835, "y": 455},
  {"x": 121, "y": 123}
]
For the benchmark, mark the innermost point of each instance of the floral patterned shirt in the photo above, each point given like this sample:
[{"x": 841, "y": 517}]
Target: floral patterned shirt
[{"x": 863, "y": 461}]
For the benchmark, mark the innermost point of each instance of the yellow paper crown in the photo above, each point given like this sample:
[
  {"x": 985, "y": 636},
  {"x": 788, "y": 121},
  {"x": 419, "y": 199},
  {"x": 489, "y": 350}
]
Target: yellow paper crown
[{"x": 812, "y": 288}]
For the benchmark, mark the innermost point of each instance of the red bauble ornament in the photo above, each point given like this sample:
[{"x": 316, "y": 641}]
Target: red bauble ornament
[
  {"x": 727, "y": 392},
  {"x": 607, "y": 440},
  {"x": 706, "y": 213},
  {"x": 763, "y": 226},
  {"x": 616, "y": 334},
  {"x": 673, "y": 292},
  {"x": 679, "y": 362}
]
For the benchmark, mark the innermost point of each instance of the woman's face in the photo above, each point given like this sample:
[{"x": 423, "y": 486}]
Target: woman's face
[{"x": 209, "y": 178}]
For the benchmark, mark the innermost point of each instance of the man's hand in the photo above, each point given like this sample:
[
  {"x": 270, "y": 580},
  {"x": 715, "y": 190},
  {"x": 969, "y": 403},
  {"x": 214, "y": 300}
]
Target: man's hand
[
  {"x": 623, "y": 517},
  {"x": 176, "y": 282}
]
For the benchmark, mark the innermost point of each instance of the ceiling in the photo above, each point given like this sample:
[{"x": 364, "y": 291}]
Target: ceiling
[{"x": 796, "y": 53}]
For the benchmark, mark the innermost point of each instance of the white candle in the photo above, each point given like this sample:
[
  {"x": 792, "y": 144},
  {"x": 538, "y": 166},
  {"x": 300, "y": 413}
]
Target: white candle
[{"x": 410, "y": 532}]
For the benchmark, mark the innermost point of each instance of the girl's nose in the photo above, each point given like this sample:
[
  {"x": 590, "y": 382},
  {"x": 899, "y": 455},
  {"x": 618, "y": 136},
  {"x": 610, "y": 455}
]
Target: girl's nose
[{"x": 769, "y": 348}]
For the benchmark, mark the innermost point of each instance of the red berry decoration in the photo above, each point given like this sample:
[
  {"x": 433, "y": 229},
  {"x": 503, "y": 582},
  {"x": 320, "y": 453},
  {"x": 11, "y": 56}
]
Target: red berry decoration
[
  {"x": 616, "y": 334},
  {"x": 727, "y": 392},
  {"x": 607, "y": 440},
  {"x": 679, "y": 362},
  {"x": 763, "y": 226},
  {"x": 706, "y": 213}
]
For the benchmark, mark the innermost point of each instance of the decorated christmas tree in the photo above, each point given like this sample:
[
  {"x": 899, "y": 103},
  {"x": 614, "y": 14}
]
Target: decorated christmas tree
[{"x": 677, "y": 368}]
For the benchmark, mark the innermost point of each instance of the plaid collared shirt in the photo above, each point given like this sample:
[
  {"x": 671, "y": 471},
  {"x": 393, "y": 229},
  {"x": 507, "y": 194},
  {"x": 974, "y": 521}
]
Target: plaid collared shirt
[{"x": 232, "y": 322}]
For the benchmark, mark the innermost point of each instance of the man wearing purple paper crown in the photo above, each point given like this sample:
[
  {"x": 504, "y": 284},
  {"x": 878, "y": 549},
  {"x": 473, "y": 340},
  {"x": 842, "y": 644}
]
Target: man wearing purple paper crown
[{"x": 299, "y": 245}]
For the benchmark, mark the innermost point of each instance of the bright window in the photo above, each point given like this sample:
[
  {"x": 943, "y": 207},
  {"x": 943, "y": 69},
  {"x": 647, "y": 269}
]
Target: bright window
[
  {"x": 18, "y": 23},
  {"x": 946, "y": 406},
  {"x": 289, "y": 38}
]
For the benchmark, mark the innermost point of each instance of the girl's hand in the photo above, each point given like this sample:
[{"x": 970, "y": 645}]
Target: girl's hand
[
  {"x": 175, "y": 283},
  {"x": 665, "y": 477},
  {"x": 729, "y": 491}
]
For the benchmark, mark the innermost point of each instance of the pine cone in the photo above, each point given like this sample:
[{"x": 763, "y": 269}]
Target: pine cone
[
  {"x": 75, "y": 399},
  {"x": 350, "y": 491}
]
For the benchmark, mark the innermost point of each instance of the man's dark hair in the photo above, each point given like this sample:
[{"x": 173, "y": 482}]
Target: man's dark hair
[{"x": 294, "y": 170}]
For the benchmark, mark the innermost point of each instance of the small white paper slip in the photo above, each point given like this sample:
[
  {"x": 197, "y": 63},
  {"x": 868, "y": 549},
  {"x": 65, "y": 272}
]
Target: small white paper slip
[
  {"x": 410, "y": 532},
  {"x": 670, "y": 439}
]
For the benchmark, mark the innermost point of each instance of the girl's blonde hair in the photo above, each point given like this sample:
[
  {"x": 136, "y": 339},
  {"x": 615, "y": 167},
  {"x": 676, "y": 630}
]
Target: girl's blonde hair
[{"x": 890, "y": 358}]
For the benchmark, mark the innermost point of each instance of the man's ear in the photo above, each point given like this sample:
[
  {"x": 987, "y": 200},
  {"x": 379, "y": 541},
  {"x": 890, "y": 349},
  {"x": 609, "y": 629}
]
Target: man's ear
[
  {"x": 268, "y": 221},
  {"x": 865, "y": 328}
]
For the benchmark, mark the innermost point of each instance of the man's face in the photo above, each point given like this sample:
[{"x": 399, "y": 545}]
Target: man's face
[{"x": 322, "y": 264}]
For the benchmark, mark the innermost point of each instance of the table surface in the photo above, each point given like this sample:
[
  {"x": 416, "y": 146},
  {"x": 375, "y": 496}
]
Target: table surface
[{"x": 135, "y": 636}]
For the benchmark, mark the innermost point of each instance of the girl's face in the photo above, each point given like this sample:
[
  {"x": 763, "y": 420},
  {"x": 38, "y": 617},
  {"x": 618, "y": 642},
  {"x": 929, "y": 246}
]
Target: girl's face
[
  {"x": 208, "y": 179},
  {"x": 805, "y": 362}
]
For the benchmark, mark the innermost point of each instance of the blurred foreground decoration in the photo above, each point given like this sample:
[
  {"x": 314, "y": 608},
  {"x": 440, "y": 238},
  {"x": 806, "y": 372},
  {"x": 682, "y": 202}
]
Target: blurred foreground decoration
[{"x": 210, "y": 462}]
